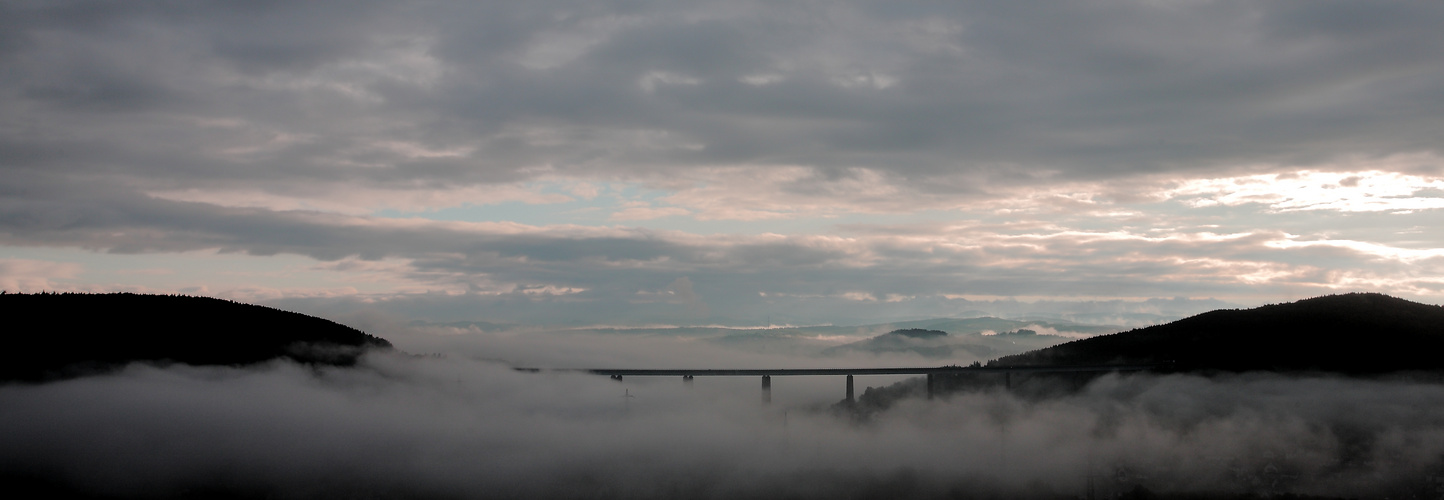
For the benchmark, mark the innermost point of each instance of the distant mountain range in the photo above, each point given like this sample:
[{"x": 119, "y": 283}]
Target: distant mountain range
[
  {"x": 50, "y": 336},
  {"x": 977, "y": 338},
  {"x": 939, "y": 344},
  {"x": 1357, "y": 333},
  {"x": 967, "y": 338}
]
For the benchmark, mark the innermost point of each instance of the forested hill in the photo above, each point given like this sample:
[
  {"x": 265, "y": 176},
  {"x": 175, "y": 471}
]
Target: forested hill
[
  {"x": 49, "y": 336},
  {"x": 1359, "y": 333}
]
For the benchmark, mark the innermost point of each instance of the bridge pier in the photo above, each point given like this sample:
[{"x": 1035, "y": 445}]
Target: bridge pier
[
  {"x": 850, "y": 400},
  {"x": 766, "y": 389}
]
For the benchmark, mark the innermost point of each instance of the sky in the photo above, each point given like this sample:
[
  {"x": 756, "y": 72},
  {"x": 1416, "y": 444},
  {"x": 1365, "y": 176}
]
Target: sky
[{"x": 730, "y": 162}]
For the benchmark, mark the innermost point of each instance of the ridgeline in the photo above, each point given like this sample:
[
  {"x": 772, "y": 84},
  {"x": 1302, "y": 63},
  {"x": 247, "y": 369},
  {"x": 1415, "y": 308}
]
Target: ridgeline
[
  {"x": 52, "y": 336},
  {"x": 1356, "y": 334}
]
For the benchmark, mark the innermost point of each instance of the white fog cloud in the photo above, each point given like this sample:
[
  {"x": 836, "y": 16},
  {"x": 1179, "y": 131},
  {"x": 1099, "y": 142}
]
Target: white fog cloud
[{"x": 451, "y": 427}]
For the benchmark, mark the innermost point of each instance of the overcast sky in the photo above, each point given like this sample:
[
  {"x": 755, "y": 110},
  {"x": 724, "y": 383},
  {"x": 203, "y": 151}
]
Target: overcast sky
[{"x": 722, "y": 162}]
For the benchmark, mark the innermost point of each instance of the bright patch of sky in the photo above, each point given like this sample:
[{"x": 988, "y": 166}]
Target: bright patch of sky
[
  {"x": 632, "y": 204},
  {"x": 1371, "y": 191}
]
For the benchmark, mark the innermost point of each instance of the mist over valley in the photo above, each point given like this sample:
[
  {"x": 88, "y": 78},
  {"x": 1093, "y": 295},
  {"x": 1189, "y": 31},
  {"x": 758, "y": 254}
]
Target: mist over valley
[{"x": 439, "y": 416}]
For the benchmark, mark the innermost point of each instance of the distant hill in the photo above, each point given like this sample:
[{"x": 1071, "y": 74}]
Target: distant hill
[
  {"x": 51, "y": 336},
  {"x": 918, "y": 333},
  {"x": 938, "y": 344},
  {"x": 822, "y": 339},
  {"x": 927, "y": 343},
  {"x": 1358, "y": 333},
  {"x": 958, "y": 327}
]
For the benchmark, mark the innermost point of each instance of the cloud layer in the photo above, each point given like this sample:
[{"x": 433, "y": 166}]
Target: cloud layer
[{"x": 562, "y": 152}]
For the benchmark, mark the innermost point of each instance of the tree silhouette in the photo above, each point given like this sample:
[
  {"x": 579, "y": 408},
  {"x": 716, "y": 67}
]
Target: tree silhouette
[
  {"x": 52, "y": 335},
  {"x": 1358, "y": 333}
]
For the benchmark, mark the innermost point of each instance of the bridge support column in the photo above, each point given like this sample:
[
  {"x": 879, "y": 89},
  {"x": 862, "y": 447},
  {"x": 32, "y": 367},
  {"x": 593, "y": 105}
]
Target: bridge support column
[
  {"x": 850, "y": 400},
  {"x": 687, "y": 381},
  {"x": 766, "y": 389},
  {"x": 930, "y": 386}
]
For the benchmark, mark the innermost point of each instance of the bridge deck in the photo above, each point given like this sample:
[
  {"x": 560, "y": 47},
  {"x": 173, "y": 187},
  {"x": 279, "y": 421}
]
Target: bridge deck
[{"x": 845, "y": 371}]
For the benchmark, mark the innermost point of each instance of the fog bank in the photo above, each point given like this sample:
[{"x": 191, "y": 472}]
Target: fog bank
[{"x": 453, "y": 427}]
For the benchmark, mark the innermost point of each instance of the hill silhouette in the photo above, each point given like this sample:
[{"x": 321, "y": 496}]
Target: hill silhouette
[
  {"x": 938, "y": 344},
  {"x": 1357, "y": 333},
  {"x": 928, "y": 343},
  {"x": 52, "y": 336},
  {"x": 915, "y": 333}
]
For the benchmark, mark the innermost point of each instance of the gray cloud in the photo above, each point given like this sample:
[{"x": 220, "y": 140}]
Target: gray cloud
[
  {"x": 249, "y": 127},
  {"x": 1002, "y": 91}
]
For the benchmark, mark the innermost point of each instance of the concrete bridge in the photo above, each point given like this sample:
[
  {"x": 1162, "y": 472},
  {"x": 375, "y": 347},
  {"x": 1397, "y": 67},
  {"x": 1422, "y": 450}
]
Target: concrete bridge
[{"x": 767, "y": 374}]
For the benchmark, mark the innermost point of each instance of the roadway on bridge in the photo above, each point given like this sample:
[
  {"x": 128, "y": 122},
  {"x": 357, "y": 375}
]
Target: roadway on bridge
[{"x": 744, "y": 372}]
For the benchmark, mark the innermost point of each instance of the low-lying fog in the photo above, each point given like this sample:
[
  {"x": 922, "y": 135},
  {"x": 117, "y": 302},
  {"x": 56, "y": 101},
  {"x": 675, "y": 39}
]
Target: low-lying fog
[{"x": 457, "y": 426}]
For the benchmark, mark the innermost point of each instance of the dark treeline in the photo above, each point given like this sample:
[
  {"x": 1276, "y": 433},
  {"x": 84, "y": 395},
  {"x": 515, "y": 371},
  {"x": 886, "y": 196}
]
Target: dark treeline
[
  {"x": 1357, "y": 334},
  {"x": 1352, "y": 334},
  {"x": 51, "y": 335}
]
